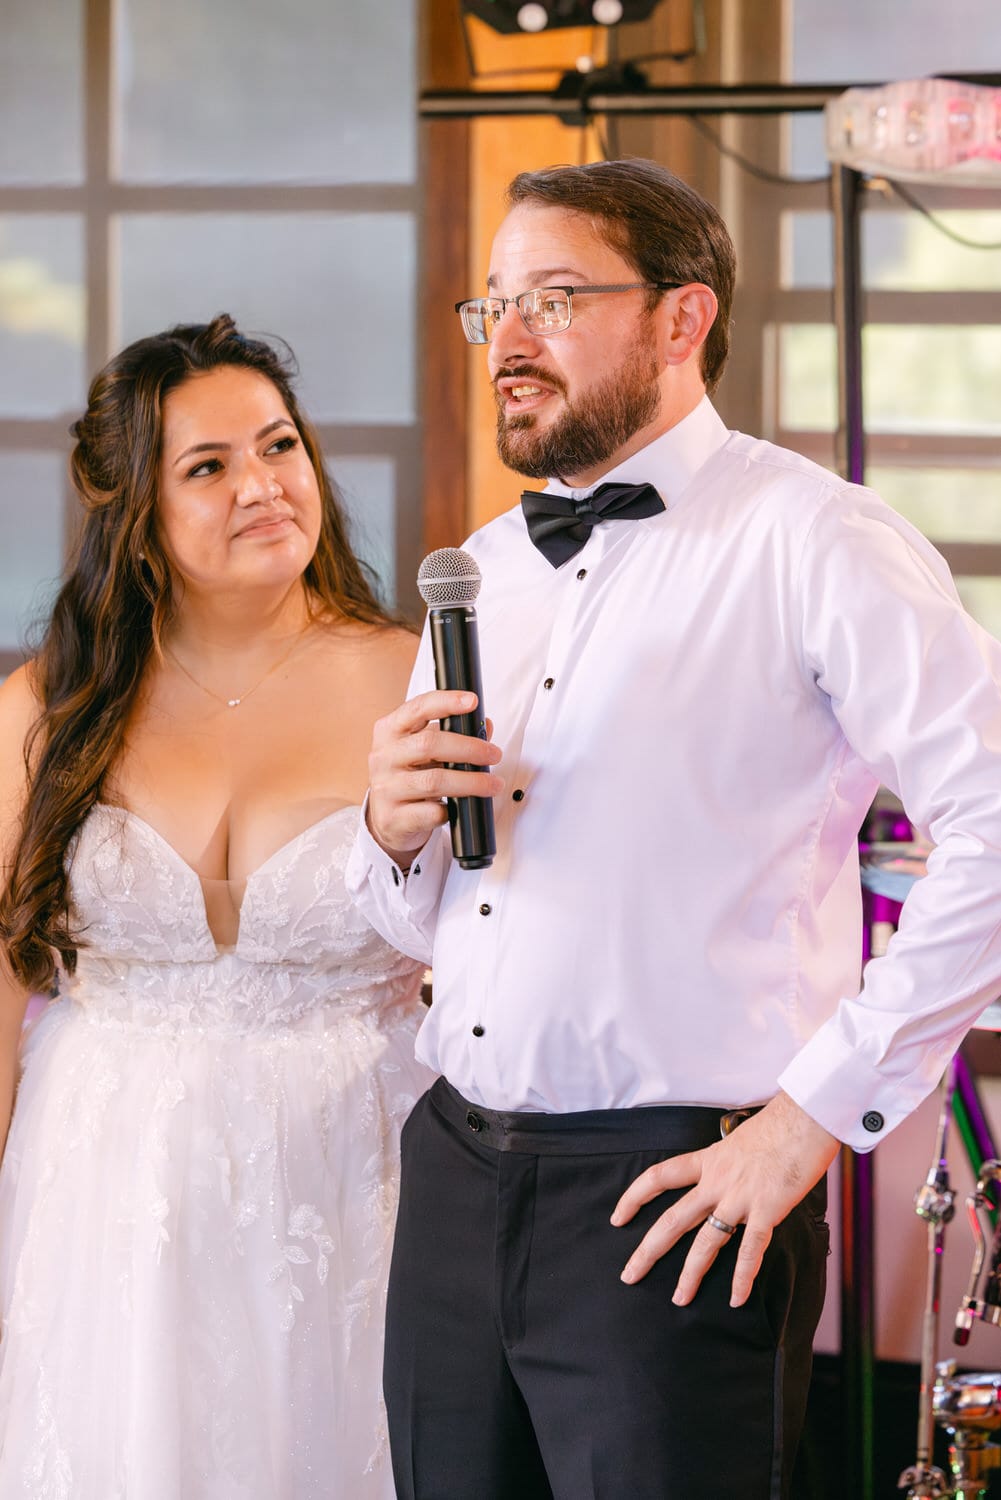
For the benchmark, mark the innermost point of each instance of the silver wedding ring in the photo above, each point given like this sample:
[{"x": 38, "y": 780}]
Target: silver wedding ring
[{"x": 721, "y": 1225}]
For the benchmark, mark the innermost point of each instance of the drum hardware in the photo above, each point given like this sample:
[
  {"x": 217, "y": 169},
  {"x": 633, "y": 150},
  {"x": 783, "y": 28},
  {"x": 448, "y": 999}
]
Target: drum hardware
[
  {"x": 935, "y": 1203},
  {"x": 988, "y": 1307},
  {"x": 968, "y": 1406}
]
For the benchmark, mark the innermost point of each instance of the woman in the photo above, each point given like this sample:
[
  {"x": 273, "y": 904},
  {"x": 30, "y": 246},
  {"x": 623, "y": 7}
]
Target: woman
[{"x": 199, "y": 1183}]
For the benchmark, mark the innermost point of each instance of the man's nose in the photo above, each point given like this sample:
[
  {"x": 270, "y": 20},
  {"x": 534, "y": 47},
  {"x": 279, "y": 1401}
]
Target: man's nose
[{"x": 511, "y": 339}]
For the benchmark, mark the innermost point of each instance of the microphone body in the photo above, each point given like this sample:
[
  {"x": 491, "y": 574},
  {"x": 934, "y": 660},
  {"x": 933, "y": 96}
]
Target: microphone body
[
  {"x": 449, "y": 581},
  {"x": 456, "y": 646}
]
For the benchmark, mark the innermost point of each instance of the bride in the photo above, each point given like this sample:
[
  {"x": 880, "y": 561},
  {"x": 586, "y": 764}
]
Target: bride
[{"x": 199, "y": 1183}]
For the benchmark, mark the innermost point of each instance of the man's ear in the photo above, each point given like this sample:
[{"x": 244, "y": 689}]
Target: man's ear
[{"x": 686, "y": 317}]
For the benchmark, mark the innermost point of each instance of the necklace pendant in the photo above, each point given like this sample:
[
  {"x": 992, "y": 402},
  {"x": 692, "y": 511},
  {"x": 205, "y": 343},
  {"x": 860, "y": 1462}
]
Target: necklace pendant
[{"x": 233, "y": 702}]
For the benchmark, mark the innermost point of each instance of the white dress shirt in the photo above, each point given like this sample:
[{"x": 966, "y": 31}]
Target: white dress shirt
[{"x": 695, "y": 713}]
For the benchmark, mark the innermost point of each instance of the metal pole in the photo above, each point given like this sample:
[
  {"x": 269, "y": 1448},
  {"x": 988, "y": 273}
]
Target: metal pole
[
  {"x": 858, "y": 1324},
  {"x": 580, "y": 93},
  {"x": 846, "y": 193},
  {"x": 608, "y": 93}
]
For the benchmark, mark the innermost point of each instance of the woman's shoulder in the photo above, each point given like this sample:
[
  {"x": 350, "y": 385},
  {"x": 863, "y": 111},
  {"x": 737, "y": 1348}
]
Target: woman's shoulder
[
  {"x": 19, "y": 710},
  {"x": 379, "y": 657},
  {"x": 19, "y": 703}
]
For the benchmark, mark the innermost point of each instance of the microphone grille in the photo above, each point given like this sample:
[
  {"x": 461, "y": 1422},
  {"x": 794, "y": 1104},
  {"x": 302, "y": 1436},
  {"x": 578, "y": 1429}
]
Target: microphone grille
[{"x": 448, "y": 576}]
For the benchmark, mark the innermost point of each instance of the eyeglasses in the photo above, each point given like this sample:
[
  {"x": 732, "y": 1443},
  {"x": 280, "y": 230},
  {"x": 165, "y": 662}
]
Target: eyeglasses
[{"x": 543, "y": 310}]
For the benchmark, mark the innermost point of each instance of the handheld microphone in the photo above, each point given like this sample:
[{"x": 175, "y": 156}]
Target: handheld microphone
[{"x": 448, "y": 581}]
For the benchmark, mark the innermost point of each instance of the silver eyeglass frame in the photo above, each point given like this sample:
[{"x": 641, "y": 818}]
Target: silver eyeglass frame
[{"x": 501, "y": 304}]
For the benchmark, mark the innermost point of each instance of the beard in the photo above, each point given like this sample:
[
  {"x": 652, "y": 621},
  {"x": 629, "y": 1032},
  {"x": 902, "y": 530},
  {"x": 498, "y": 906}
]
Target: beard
[{"x": 591, "y": 429}]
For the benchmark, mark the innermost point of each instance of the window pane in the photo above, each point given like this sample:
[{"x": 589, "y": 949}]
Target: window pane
[
  {"x": 982, "y": 597},
  {"x": 31, "y": 540},
  {"x": 900, "y": 251},
  {"x": 368, "y": 487},
  {"x": 954, "y": 505},
  {"x": 808, "y": 390},
  {"x": 248, "y": 91},
  {"x": 901, "y": 41},
  {"x": 340, "y": 288},
  {"x": 41, "y": 314},
  {"x": 932, "y": 380},
  {"x": 921, "y": 379},
  {"x": 41, "y": 67}
]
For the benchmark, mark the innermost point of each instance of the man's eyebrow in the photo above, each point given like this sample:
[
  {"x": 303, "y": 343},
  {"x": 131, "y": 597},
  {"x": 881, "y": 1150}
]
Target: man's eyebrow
[
  {"x": 224, "y": 447},
  {"x": 541, "y": 278}
]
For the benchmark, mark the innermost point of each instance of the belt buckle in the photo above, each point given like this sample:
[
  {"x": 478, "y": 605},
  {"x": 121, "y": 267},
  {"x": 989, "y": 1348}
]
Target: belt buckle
[{"x": 729, "y": 1122}]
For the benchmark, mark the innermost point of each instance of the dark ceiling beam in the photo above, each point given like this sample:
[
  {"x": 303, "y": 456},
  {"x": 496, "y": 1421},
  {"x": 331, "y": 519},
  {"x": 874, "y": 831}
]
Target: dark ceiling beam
[{"x": 739, "y": 99}]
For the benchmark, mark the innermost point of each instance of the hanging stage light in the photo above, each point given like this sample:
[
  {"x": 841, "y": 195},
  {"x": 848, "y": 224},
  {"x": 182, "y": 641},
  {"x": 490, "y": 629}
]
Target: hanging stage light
[{"x": 546, "y": 15}]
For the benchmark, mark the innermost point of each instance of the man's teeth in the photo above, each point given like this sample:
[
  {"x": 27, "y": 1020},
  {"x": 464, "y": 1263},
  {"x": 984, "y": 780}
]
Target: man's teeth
[{"x": 520, "y": 391}]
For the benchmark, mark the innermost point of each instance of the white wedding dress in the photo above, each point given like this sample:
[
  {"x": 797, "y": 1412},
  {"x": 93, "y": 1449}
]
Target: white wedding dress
[{"x": 198, "y": 1194}]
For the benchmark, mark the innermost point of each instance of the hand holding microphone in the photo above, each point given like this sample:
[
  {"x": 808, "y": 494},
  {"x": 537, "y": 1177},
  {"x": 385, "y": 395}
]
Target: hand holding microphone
[{"x": 435, "y": 745}]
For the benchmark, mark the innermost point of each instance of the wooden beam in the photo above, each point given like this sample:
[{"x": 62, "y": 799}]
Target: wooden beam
[{"x": 443, "y": 365}]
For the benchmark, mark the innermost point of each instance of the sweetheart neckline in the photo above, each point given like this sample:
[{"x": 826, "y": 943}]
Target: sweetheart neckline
[{"x": 134, "y": 817}]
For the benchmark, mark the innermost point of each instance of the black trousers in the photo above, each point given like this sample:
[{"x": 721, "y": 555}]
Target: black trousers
[{"x": 519, "y": 1366}]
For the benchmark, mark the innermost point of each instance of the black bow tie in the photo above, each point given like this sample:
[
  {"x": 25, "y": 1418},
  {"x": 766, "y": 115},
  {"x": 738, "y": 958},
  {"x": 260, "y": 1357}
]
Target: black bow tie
[{"x": 559, "y": 526}]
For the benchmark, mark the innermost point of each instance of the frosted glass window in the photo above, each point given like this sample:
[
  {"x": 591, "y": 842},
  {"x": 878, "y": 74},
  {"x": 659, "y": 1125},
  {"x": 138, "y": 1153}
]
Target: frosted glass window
[
  {"x": 368, "y": 489},
  {"x": 900, "y": 251},
  {"x": 41, "y": 77},
  {"x": 982, "y": 597},
  {"x": 916, "y": 378},
  {"x": 340, "y": 288},
  {"x": 927, "y": 380},
  {"x": 41, "y": 314},
  {"x": 954, "y": 505},
  {"x": 250, "y": 91},
  {"x": 32, "y": 488},
  {"x": 808, "y": 392},
  {"x": 901, "y": 41}
]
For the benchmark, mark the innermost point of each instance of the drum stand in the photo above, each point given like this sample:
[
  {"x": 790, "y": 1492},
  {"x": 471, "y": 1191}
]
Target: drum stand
[
  {"x": 934, "y": 1202},
  {"x": 967, "y": 1406}
]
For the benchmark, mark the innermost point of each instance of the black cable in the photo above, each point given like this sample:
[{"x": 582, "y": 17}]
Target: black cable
[
  {"x": 762, "y": 173},
  {"x": 950, "y": 234}
]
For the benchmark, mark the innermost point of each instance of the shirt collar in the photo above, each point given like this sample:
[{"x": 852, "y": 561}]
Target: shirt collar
[{"x": 669, "y": 463}]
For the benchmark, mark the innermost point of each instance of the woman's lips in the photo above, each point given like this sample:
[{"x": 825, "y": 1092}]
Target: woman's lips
[{"x": 267, "y": 528}]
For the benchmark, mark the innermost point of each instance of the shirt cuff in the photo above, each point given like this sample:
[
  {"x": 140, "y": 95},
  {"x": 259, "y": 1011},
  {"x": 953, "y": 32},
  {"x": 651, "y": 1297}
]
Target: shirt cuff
[
  {"x": 400, "y": 905},
  {"x": 850, "y": 1098}
]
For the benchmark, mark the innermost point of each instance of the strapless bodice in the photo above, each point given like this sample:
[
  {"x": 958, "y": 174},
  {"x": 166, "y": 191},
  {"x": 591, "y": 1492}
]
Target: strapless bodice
[{"x": 148, "y": 954}]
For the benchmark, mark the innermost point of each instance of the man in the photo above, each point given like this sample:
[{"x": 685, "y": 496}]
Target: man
[{"x": 610, "y": 1244}]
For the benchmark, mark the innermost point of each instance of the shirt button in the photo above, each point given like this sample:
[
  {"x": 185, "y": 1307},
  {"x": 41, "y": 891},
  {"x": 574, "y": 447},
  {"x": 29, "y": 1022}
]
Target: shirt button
[
  {"x": 582, "y": 574},
  {"x": 477, "y": 1031},
  {"x": 873, "y": 1120},
  {"x": 517, "y": 795},
  {"x": 549, "y": 682},
  {"x": 485, "y": 909},
  {"x": 416, "y": 870},
  {"x": 396, "y": 876}
]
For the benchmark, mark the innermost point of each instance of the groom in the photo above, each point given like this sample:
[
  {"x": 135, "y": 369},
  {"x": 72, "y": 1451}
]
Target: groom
[{"x": 610, "y": 1247}]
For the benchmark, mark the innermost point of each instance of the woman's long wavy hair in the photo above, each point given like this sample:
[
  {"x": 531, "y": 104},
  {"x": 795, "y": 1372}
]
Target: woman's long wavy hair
[{"x": 113, "y": 607}]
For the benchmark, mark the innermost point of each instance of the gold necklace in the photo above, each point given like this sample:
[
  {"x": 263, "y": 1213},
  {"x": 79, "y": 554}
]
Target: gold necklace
[{"x": 235, "y": 702}]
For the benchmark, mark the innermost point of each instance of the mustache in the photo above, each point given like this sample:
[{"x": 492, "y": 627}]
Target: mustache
[{"x": 530, "y": 372}]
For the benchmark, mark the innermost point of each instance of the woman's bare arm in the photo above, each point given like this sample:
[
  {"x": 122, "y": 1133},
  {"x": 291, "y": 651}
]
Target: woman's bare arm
[{"x": 18, "y": 710}]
